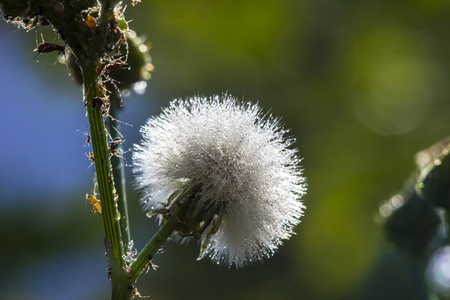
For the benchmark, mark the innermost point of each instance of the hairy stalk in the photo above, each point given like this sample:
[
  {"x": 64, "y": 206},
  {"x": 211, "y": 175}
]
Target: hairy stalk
[
  {"x": 120, "y": 280},
  {"x": 118, "y": 167},
  {"x": 146, "y": 255},
  {"x": 90, "y": 41},
  {"x": 102, "y": 161}
]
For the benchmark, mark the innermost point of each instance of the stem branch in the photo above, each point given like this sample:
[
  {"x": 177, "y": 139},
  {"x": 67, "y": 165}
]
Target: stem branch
[{"x": 152, "y": 247}]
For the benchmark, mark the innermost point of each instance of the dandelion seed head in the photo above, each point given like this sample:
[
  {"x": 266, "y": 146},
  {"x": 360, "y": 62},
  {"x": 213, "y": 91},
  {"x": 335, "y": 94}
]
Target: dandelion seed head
[{"x": 237, "y": 166}]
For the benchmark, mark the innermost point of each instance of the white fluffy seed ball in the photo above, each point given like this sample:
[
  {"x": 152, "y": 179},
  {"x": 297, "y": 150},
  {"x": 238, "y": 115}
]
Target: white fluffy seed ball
[{"x": 239, "y": 157}]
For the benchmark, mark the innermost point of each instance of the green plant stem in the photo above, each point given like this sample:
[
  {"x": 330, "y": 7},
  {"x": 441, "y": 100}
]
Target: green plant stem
[
  {"x": 143, "y": 259},
  {"x": 118, "y": 166},
  {"x": 121, "y": 292},
  {"x": 122, "y": 289},
  {"x": 102, "y": 162},
  {"x": 104, "y": 16}
]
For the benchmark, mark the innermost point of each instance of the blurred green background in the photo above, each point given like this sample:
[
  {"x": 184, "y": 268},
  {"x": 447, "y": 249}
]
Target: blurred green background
[{"x": 362, "y": 84}]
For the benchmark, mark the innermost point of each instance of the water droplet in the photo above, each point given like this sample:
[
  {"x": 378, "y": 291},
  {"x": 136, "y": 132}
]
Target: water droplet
[
  {"x": 140, "y": 87},
  {"x": 385, "y": 210},
  {"x": 438, "y": 271},
  {"x": 143, "y": 48},
  {"x": 125, "y": 93}
]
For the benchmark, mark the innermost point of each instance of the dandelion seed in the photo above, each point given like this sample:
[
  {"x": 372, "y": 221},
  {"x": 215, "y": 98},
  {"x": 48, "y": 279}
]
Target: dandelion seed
[{"x": 226, "y": 173}]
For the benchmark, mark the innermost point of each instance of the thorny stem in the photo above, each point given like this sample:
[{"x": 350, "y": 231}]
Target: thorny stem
[{"x": 102, "y": 162}]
